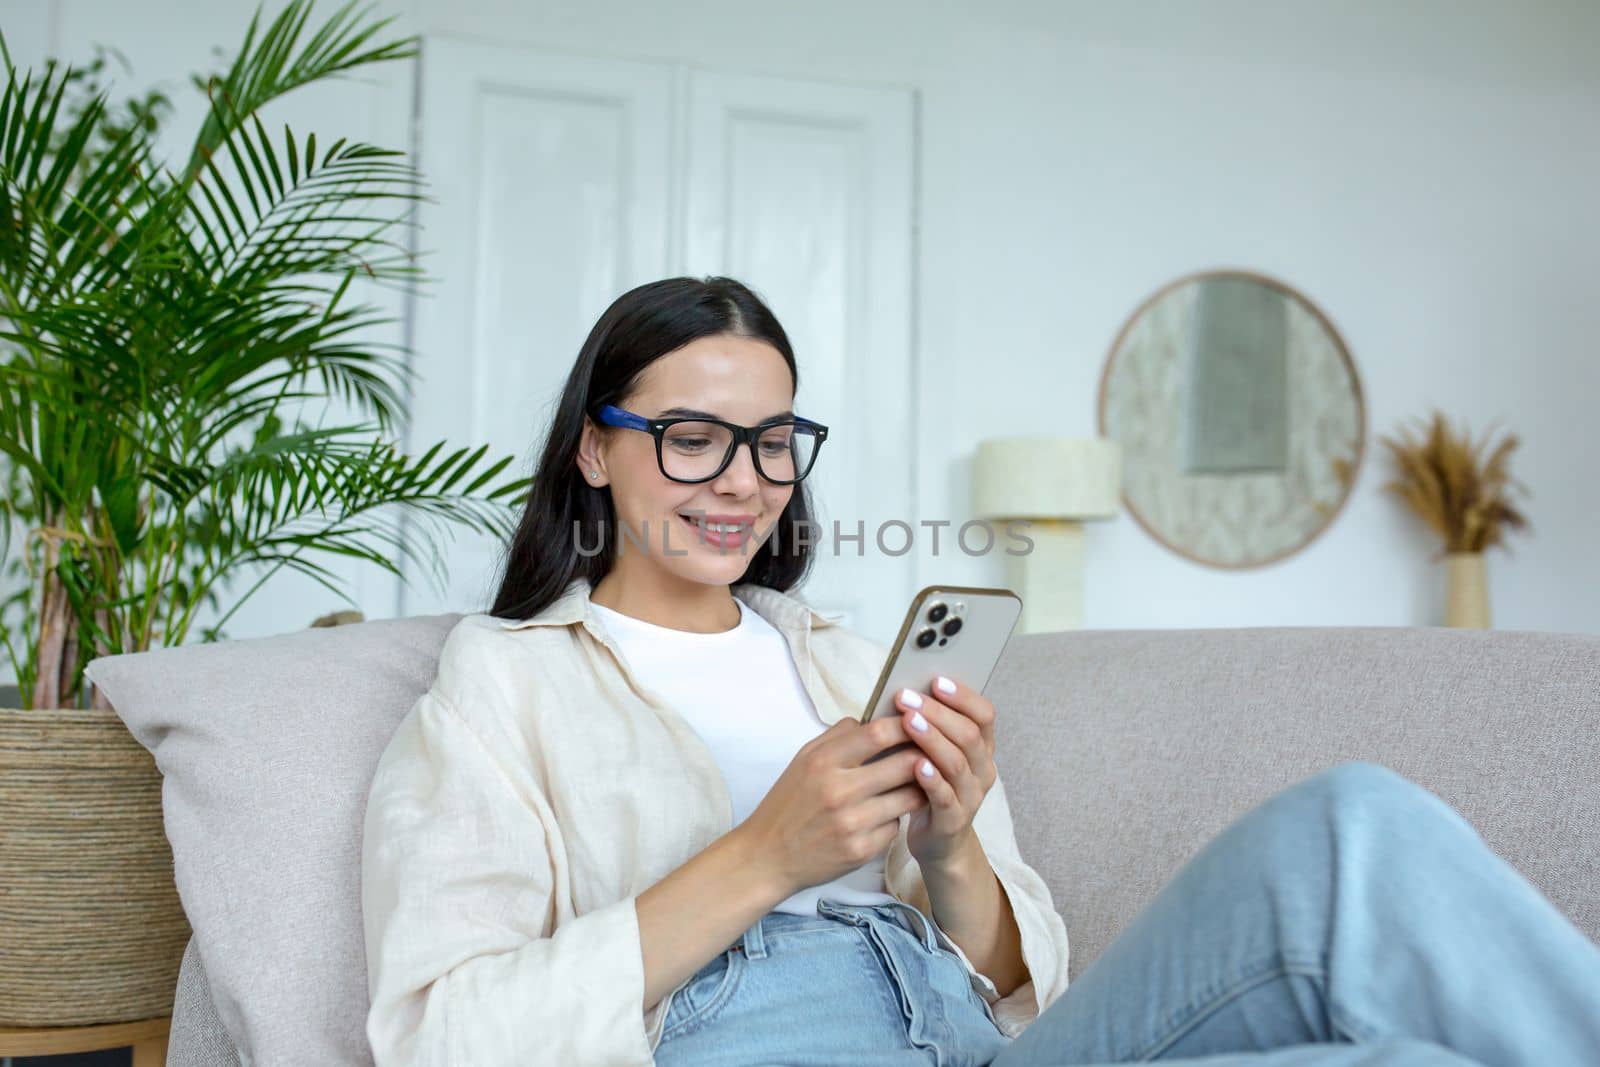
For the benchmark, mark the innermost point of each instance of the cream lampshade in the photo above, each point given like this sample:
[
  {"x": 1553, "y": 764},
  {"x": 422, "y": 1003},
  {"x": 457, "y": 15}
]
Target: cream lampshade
[{"x": 1055, "y": 484}]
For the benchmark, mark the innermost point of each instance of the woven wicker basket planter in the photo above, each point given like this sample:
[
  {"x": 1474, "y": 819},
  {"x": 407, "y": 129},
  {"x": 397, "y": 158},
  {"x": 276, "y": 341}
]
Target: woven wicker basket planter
[{"x": 89, "y": 916}]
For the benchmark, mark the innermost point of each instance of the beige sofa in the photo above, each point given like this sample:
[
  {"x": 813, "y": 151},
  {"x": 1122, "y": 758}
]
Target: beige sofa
[{"x": 1123, "y": 751}]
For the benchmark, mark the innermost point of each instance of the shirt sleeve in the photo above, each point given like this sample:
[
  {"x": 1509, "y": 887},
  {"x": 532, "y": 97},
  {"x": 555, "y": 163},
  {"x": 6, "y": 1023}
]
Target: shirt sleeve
[
  {"x": 458, "y": 900},
  {"x": 1044, "y": 933}
]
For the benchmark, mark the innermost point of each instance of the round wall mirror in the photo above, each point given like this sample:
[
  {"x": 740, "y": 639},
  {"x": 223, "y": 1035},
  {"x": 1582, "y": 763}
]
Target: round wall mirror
[{"x": 1240, "y": 417}]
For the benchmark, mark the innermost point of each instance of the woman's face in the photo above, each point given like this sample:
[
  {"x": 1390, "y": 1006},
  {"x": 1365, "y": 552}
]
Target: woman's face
[{"x": 738, "y": 379}]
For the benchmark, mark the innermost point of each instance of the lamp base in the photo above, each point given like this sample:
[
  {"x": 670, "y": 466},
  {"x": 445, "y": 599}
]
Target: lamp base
[{"x": 1049, "y": 579}]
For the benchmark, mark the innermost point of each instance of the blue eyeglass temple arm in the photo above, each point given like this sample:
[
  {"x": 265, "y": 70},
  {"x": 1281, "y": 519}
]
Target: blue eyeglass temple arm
[
  {"x": 615, "y": 416},
  {"x": 612, "y": 415}
]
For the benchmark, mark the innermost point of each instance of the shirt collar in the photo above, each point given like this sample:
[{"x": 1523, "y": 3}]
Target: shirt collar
[{"x": 782, "y": 610}]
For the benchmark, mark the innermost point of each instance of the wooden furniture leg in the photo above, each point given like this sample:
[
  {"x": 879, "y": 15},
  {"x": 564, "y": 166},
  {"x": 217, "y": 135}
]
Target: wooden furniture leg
[
  {"x": 148, "y": 1037},
  {"x": 151, "y": 1052}
]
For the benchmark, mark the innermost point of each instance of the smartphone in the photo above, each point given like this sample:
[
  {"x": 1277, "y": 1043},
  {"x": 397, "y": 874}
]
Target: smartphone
[{"x": 955, "y": 630}]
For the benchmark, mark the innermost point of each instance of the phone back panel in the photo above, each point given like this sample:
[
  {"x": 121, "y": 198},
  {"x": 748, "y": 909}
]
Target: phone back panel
[{"x": 969, "y": 655}]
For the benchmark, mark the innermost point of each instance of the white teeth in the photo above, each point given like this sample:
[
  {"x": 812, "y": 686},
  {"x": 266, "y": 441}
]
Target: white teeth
[{"x": 717, "y": 527}]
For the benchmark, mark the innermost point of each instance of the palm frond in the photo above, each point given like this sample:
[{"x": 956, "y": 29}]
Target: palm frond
[
  {"x": 303, "y": 490},
  {"x": 270, "y": 67}
]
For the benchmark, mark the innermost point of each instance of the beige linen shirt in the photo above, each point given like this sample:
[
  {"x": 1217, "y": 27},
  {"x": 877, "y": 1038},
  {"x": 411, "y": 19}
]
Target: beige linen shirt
[{"x": 534, "y": 791}]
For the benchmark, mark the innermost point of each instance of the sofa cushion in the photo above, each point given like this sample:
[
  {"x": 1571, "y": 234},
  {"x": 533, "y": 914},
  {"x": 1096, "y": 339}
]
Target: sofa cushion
[
  {"x": 197, "y": 1038},
  {"x": 268, "y": 747}
]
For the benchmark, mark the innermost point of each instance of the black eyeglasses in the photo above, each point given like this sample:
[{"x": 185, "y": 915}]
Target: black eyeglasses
[{"x": 694, "y": 450}]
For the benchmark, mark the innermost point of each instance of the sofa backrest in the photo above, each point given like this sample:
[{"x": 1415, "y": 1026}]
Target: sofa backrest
[{"x": 1124, "y": 751}]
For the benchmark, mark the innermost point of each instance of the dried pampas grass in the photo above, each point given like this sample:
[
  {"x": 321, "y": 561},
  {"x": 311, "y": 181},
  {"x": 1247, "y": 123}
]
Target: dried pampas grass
[{"x": 1459, "y": 493}]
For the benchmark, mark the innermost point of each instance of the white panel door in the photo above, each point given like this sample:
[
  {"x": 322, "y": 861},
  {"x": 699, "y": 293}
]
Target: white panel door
[
  {"x": 561, "y": 181},
  {"x": 804, "y": 191},
  {"x": 550, "y": 176}
]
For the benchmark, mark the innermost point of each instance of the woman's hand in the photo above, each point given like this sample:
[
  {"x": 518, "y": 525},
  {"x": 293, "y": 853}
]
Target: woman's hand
[
  {"x": 959, "y": 748},
  {"x": 836, "y": 805}
]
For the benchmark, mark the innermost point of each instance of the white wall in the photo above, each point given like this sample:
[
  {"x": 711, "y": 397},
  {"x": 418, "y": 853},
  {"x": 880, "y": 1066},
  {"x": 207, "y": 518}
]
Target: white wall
[
  {"x": 1424, "y": 172},
  {"x": 1440, "y": 211}
]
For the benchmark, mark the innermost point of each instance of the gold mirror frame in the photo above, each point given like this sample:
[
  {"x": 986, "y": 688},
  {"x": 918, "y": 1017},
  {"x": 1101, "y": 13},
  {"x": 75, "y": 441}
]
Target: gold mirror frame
[{"x": 1191, "y": 513}]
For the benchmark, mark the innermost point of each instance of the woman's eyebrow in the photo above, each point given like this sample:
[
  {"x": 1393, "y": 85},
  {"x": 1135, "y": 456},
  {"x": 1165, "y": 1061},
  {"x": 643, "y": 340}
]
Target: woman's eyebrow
[{"x": 692, "y": 413}]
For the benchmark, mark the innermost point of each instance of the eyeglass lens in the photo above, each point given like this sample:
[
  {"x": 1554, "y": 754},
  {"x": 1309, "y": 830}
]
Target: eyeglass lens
[{"x": 692, "y": 451}]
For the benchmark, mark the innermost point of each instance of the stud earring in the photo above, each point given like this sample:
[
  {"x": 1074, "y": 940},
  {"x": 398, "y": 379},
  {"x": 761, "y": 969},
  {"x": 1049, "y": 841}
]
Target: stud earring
[{"x": 594, "y": 474}]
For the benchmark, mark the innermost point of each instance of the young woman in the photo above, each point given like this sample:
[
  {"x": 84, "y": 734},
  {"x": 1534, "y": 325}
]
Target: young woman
[{"x": 632, "y": 822}]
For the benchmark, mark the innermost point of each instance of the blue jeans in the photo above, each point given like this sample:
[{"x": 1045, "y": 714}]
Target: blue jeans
[
  {"x": 1351, "y": 920},
  {"x": 852, "y": 986}
]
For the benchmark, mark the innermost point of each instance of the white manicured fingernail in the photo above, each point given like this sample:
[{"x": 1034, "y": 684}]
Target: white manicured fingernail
[
  {"x": 945, "y": 685},
  {"x": 912, "y": 699},
  {"x": 927, "y": 769},
  {"x": 918, "y": 723}
]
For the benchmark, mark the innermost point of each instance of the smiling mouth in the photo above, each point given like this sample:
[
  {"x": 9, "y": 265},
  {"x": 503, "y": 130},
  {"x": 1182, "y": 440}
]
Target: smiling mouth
[
  {"x": 723, "y": 535},
  {"x": 718, "y": 527}
]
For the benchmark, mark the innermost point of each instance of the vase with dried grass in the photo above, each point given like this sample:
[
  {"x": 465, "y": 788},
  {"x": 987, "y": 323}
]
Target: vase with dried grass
[{"x": 1462, "y": 491}]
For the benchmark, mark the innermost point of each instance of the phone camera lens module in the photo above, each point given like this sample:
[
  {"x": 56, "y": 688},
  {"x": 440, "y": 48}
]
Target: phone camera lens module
[
  {"x": 925, "y": 638},
  {"x": 937, "y": 612},
  {"x": 952, "y": 627}
]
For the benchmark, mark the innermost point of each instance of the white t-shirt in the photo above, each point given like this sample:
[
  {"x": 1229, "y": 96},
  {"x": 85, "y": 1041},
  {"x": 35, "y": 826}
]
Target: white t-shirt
[{"x": 740, "y": 691}]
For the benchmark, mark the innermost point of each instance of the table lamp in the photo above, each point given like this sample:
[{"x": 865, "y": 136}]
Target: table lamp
[{"x": 1055, "y": 484}]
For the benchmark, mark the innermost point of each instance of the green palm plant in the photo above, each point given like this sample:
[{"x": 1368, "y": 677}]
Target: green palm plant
[{"x": 161, "y": 330}]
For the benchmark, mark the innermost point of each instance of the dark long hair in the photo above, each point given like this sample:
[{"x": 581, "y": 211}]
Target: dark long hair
[{"x": 640, "y": 327}]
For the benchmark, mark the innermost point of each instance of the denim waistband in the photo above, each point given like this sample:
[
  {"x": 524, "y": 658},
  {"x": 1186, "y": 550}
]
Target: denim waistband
[{"x": 829, "y": 912}]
